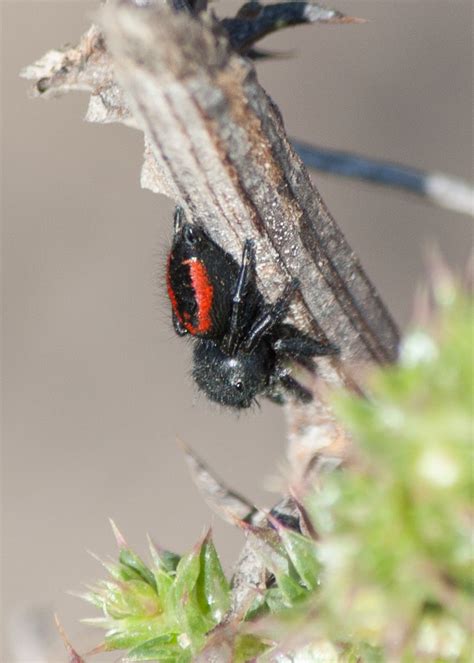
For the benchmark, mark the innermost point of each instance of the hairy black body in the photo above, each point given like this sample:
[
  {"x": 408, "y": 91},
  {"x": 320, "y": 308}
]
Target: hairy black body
[{"x": 241, "y": 343}]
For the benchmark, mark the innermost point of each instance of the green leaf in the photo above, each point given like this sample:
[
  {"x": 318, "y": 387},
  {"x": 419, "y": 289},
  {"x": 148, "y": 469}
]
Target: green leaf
[
  {"x": 131, "y": 598},
  {"x": 164, "y": 648},
  {"x": 132, "y": 631},
  {"x": 164, "y": 584},
  {"x": 212, "y": 582},
  {"x": 394, "y": 528},
  {"x": 268, "y": 545},
  {"x": 258, "y": 608},
  {"x": 303, "y": 555},
  {"x": 247, "y": 647},
  {"x": 163, "y": 559},
  {"x": 276, "y": 600},
  {"x": 190, "y": 614},
  {"x": 169, "y": 560},
  {"x": 364, "y": 653},
  {"x": 164, "y": 576},
  {"x": 132, "y": 562},
  {"x": 291, "y": 590}
]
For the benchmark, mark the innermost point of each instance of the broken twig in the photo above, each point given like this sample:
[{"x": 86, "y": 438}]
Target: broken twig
[
  {"x": 438, "y": 188},
  {"x": 215, "y": 144}
]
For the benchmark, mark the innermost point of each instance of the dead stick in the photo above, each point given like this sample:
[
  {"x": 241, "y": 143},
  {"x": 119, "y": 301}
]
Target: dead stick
[
  {"x": 216, "y": 144},
  {"x": 222, "y": 145}
]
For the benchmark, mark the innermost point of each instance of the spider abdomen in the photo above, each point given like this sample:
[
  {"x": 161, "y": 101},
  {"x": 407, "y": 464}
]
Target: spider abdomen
[
  {"x": 199, "y": 277},
  {"x": 191, "y": 294}
]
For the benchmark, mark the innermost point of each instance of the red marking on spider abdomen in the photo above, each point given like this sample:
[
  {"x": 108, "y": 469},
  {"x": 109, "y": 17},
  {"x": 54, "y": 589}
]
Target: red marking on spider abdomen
[{"x": 203, "y": 291}]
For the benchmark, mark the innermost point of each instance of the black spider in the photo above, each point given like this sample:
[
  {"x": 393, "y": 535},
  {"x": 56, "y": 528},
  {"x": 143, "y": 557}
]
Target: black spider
[{"x": 241, "y": 343}]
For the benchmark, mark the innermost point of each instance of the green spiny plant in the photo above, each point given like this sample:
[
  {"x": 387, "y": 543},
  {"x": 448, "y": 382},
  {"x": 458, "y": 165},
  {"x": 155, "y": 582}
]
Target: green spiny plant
[{"x": 389, "y": 577}]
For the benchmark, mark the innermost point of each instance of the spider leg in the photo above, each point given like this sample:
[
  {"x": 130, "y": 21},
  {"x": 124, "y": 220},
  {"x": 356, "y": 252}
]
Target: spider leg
[
  {"x": 295, "y": 388},
  {"x": 272, "y": 317},
  {"x": 305, "y": 362},
  {"x": 178, "y": 219},
  {"x": 238, "y": 298},
  {"x": 302, "y": 348},
  {"x": 278, "y": 399},
  {"x": 178, "y": 326}
]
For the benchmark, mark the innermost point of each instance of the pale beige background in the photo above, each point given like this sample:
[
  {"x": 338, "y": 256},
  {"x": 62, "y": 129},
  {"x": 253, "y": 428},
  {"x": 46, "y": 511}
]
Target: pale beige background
[{"x": 95, "y": 384}]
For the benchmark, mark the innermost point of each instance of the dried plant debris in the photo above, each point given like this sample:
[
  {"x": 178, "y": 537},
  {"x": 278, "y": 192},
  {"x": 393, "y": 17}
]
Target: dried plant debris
[
  {"x": 255, "y": 20},
  {"x": 87, "y": 66},
  {"x": 71, "y": 652},
  {"x": 227, "y": 503},
  {"x": 437, "y": 188}
]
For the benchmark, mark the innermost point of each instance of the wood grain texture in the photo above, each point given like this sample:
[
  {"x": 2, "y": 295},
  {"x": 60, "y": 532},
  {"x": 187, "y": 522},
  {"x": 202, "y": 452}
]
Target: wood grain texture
[{"x": 220, "y": 150}]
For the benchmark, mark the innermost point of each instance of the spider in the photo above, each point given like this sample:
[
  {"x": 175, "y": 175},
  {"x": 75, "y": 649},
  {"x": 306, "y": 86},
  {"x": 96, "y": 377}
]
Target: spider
[{"x": 241, "y": 343}]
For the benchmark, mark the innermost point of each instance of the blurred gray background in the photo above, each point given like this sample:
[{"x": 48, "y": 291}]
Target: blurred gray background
[{"x": 96, "y": 386}]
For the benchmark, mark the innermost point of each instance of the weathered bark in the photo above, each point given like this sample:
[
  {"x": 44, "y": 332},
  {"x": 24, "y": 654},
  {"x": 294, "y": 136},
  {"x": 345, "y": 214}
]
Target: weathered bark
[
  {"x": 220, "y": 142},
  {"x": 216, "y": 144}
]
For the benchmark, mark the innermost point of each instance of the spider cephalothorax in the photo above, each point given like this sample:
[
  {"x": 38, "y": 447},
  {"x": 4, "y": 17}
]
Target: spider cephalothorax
[{"x": 241, "y": 343}]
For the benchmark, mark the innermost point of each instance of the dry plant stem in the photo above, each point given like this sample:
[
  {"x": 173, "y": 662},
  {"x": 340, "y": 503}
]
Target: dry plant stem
[
  {"x": 437, "y": 188},
  {"x": 255, "y": 20},
  {"x": 215, "y": 143},
  {"x": 220, "y": 142},
  {"x": 227, "y": 503}
]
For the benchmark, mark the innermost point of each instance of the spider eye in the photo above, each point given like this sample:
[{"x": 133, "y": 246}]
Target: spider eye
[
  {"x": 190, "y": 234},
  {"x": 239, "y": 385}
]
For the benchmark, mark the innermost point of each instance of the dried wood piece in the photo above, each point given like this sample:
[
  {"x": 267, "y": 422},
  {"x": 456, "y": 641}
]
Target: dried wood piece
[
  {"x": 71, "y": 652},
  {"x": 437, "y": 188},
  {"x": 220, "y": 141},
  {"x": 86, "y": 68},
  {"x": 227, "y": 503},
  {"x": 232, "y": 507},
  {"x": 216, "y": 144},
  {"x": 317, "y": 443},
  {"x": 254, "y": 20}
]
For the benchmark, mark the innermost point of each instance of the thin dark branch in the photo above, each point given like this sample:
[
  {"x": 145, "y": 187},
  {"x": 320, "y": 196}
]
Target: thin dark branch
[
  {"x": 441, "y": 190},
  {"x": 255, "y": 21}
]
